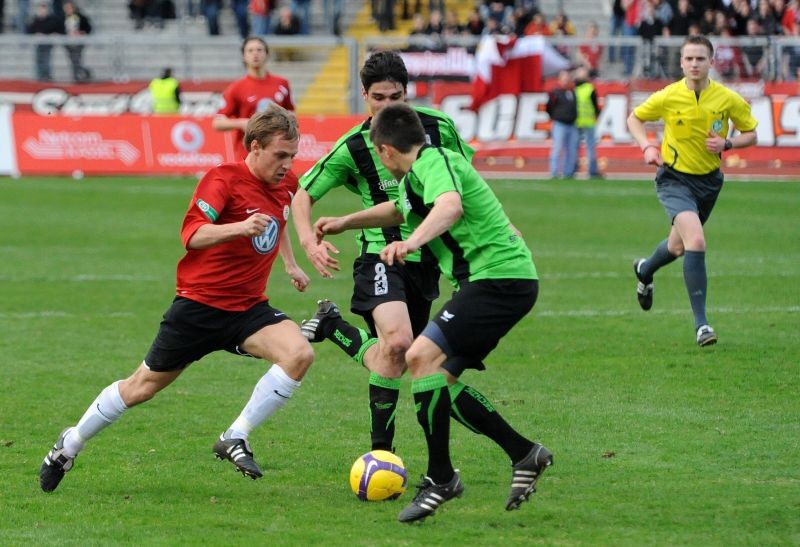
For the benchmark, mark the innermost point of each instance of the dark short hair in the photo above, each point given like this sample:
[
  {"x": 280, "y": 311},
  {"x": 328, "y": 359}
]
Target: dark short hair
[
  {"x": 254, "y": 39},
  {"x": 273, "y": 122},
  {"x": 397, "y": 125},
  {"x": 699, "y": 40},
  {"x": 384, "y": 66}
]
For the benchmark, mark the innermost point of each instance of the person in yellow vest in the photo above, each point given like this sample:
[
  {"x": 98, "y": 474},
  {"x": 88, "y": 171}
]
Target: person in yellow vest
[
  {"x": 698, "y": 113},
  {"x": 166, "y": 93},
  {"x": 588, "y": 110}
]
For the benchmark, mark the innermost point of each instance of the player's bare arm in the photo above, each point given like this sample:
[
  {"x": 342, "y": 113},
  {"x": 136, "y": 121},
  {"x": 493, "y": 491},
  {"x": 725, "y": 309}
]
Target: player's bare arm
[
  {"x": 651, "y": 151},
  {"x": 300, "y": 279},
  {"x": 222, "y": 123},
  {"x": 318, "y": 252},
  {"x": 209, "y": 234},
  {"x": 379, "y": 216}
]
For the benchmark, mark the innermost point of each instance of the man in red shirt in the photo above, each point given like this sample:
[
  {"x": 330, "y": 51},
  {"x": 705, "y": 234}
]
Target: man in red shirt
[
  {"x": 233, "y": 230},
  {"x": 251, "y": 93}
]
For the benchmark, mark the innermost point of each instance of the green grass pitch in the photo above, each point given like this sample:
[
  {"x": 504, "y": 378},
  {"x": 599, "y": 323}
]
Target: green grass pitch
[{"x": 656, "y": 441}]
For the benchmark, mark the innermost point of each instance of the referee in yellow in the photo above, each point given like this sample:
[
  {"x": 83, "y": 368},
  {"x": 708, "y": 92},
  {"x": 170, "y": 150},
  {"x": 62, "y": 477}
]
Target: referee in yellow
[{"x": 697, "y": 114}]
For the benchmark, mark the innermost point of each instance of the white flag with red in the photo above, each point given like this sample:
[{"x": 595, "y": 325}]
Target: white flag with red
[{"x": 510, "y": 65}]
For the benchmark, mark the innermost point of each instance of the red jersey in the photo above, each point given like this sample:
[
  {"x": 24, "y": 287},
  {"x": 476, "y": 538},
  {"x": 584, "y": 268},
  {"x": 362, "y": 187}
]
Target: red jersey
[
  {"x": 233, "y": 275},
  {"x": 249, "y": 95}
]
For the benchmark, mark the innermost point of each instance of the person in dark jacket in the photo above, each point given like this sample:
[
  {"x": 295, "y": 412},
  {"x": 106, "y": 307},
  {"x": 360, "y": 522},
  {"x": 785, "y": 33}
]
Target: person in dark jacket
[
  {"x": 44, "y": 22},
  {"x": 76, "y": 25},
  {"x": 563, "y": 111}
]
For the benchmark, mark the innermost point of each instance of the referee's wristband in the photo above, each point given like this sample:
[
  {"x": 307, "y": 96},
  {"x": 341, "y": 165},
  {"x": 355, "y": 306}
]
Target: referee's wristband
[{"x": 648, "y": 146}]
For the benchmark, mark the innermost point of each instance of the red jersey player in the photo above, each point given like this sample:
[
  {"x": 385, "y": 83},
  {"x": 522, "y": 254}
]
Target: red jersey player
[
  {"x": 234, "y": 228},
  {"x": 251, "y": 93}
]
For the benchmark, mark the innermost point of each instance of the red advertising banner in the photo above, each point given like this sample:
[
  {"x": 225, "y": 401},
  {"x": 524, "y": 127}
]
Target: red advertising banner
[{"x": 134, "y": 144}]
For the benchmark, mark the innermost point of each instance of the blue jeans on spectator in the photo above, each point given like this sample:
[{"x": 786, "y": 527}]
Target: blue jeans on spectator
[
  {"x": 587, "y": 134},
  {"x": 563, "y": 152},
  {"x": 333, "y": 10},
  {"x": 302, "y": 8},
  {"x": 615, "y": 29},
  {"x": 241, "y": 16},
  {"x": 629, "y": 52},
  {"x": 262, "y": 24},
  {"x": 211, "y": 13},
  {"x": 43, "y": 62}
]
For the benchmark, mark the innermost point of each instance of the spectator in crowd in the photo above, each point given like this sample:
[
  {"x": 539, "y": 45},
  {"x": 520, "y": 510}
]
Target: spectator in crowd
[
  {"x": 474, "y": 25},
  {"x": 386, "y": 19},
  {"x": 662, "y": 11},
  {"x": 435, "y": 24},
  {"x": 681, "y": 19},
  {"x": 739, "y": 14},
  {"x": 562, "y": 109},
  {"x": 261, "y": 16},
  {"x": 630, "y": 28},
  {"x": 451, "y": 25},
  {"x": 333, "y": 10},
  {"x": 211, "y": 9},
  {"x": 668, "y": 57},
  {"x": 2, "y": 15},
  {"x": 708, "y": 22},
  {"x": 728, "y": 62},
  {"x": 615, "y": 27},
  {"x": 649, "y": 28},
  {"x": 44, "y": 23},
  {"x": 499, "y": 10},
  {"x": 770, "y": 25},
  {"x": 302, "y": 9},
  {"x": 21, "y": 17},
  {"x": 562, "y": 26},
  {"x": 721, "y": 23},
  {"x": 591, "y": 51},
  {"x": 288, "y": 24},
  {"x": 790, "y": 59},
  {"x": 165, "y": 92},
  {"x": 76, "y": 25},
  {"x": 588, "y": 109},
  {"x": 754, "y": 56},
  {"x": 537, "y": 26},
  {"x": 250, "y": 94}
]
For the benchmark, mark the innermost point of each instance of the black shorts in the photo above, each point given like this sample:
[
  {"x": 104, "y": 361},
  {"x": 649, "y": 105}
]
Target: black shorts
[
  {"x": 679, "y": 192},
  {"x": 472, "y": 323},
  {"x": 375, "y": 283},
  {"x": 190, "y": 330}
]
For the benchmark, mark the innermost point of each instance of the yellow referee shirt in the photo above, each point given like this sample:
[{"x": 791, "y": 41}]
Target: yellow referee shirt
[{"x": 688, "y": 119}]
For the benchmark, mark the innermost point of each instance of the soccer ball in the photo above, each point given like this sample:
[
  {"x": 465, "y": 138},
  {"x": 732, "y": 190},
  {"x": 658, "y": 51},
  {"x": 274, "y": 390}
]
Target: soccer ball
[{"x": 378, "y": 475}]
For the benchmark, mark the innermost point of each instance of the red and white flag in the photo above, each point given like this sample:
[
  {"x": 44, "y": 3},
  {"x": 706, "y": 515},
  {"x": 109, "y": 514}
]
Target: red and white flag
[{"x": 509, "y": 65}]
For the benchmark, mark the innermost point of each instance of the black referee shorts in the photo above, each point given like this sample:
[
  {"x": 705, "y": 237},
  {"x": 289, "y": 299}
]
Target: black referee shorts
[
  {"x": 191, "y": 330},
  {"x": 679, "y": 192}
]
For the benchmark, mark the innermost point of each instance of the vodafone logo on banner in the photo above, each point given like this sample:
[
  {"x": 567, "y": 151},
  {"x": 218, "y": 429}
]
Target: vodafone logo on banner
[
  {"x": 186, "y": 148},
  {"x": 187, "y": 136}
]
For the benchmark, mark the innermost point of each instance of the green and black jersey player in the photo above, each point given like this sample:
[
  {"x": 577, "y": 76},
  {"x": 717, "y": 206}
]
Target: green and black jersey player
[
  {"x": 449, "y": 208},
  {"x": 395, "y": 301}
]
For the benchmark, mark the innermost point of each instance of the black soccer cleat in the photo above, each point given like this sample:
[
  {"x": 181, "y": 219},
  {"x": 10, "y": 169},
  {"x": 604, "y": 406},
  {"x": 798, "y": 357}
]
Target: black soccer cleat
[
  {"x": 644, "y": 291},
  {"x": 430, "y": 496},
  {"x": 237, "y": 451},
  {"x": 526, "y": 474},
  {"x": 55, "y": 464},
  {"x": 314, "y": 329}
]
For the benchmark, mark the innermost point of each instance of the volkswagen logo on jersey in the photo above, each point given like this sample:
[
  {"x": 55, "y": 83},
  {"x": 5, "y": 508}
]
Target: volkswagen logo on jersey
[{"x": 268, "y": 240}]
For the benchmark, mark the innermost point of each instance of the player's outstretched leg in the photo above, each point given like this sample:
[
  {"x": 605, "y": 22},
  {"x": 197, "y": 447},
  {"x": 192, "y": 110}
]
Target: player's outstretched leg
[
  {"x": 526, "y": 474},
  {"x": 55, "y": 464},
  {"x": 316, "y": 328},
  {"x": 430, "y": 496}
]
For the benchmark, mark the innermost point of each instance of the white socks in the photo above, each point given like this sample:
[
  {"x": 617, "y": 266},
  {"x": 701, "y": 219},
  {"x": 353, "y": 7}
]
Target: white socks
[
  {"x": 270, "y": 394},
  {"x": 104, "y": 411}
]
